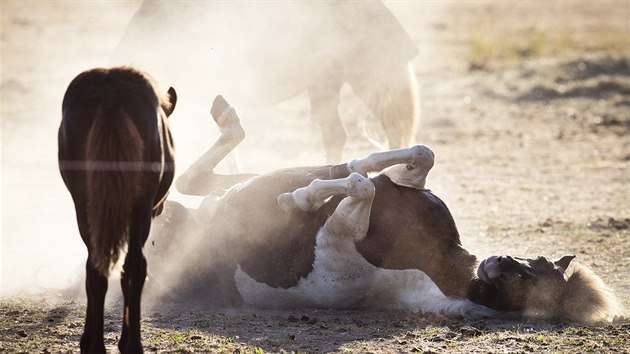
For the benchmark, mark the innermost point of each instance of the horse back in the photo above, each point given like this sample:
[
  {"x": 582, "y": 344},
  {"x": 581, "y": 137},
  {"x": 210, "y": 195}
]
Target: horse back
[{"x": 116, "y": 97}]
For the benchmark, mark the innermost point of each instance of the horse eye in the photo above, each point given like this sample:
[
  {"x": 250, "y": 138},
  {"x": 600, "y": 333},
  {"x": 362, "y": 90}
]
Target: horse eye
[{"x": 409, "y": 167}]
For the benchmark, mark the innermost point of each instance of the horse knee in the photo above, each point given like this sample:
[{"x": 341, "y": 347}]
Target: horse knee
[
  {"x": 351, "y": 218},
  {"x": 360, "y": 187}
]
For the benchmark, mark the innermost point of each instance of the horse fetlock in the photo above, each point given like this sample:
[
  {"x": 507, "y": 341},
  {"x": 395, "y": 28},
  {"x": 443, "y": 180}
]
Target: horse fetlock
[
  {"x": 233, "y": 132},
  {"x": 228, "y": 121}
]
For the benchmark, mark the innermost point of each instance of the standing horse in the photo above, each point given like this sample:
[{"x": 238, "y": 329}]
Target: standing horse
[
  {"x": 260, "y": 54},
  {"x": 116, "y": 158}
]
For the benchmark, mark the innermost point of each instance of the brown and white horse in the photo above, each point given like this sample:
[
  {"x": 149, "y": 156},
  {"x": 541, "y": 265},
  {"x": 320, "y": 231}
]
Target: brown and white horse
[
  {"x": 264, "y": 53},
  {"x": 330, "y": 237},
  {"x": 116, "y": 159}
]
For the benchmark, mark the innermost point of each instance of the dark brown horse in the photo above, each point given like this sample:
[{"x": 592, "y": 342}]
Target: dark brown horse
[
  {"x": 327, "y": 237},
  {"x": 116, "y": 158}
]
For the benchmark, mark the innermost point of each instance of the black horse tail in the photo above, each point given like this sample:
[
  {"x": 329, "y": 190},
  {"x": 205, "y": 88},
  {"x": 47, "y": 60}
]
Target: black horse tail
[{"x": 114, "y": 154}]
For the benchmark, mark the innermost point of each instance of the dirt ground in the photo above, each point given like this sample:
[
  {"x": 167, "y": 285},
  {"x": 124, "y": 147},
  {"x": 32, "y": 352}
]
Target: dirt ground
[{"x": 526, "y": 105}]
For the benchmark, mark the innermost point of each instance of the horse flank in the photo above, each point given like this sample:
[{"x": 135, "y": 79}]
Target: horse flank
[{"x": 108, "y": 216}]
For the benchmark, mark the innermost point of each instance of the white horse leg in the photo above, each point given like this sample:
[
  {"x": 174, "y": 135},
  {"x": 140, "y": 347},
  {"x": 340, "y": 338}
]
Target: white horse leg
[
  {"x": 400, "y": 117},
  {"x": 313, "y": 196},
  {"x": 351, "y": 218},
  {"x": 409, "y": 166},
  {"x": 324, "y": 112},
  {"x": 391, "y": 93},
  {"x": 197, "y": 179}
]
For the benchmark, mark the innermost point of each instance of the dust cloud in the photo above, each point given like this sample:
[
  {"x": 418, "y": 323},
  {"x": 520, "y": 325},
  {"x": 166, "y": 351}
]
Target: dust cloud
[{"x": 262, "y": 56}]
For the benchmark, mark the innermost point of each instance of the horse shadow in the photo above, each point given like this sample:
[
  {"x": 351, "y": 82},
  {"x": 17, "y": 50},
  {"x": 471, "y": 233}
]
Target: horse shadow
[{"x": 316, "y": 330}]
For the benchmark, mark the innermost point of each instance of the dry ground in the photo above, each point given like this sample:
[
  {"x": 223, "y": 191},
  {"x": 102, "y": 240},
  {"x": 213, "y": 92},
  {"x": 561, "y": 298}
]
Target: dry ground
[{"x": 526, "y": 104}]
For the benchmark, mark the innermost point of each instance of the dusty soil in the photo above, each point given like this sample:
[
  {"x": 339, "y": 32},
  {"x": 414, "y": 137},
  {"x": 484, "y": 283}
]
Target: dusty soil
[{"x": 526, "y": 106}]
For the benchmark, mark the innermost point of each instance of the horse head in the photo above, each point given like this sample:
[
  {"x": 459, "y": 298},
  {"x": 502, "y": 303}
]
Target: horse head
[
  {"x": 523, "y": 282},
  {"x": 543, "y": 289}
]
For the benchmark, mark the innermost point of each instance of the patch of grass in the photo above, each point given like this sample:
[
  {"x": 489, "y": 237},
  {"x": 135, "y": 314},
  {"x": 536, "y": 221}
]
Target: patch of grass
[
  {"x": 538, "y": 338},
  {"x": 482, "y": 50},
  {"x": 490, "y": 47},
  {"x": 487, "y": 49},
  {"x": 432, "y": 331},
  {"x": 230, "y": 340},
  {"x": 177, "y": 338}
]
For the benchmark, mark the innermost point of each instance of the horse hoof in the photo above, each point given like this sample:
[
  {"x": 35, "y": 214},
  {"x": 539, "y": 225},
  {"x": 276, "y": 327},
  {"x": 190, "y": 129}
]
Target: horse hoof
[{"x": 219, "y": 105}]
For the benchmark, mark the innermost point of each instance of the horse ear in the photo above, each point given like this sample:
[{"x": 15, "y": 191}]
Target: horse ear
[
  {"x": 172, "y": 97},
  {"x": 564, "y": 262}
]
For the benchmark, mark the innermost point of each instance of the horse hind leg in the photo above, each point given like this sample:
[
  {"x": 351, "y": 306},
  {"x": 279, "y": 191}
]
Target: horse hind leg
[
  {"x": 392, "y": 96},
  {"x": 133, "y": 278},
  {"x": 96, "y": 289},
  {"x": 200, "y": 179},
  {"x": 324, "y": 112}
]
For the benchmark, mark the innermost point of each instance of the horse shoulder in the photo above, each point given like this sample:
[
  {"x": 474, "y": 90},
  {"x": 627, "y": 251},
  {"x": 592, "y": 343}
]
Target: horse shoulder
[{"x": 413, "y": 229}]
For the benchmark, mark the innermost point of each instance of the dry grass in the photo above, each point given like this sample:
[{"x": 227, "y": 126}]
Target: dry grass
[{"x": 499, "y": 33}]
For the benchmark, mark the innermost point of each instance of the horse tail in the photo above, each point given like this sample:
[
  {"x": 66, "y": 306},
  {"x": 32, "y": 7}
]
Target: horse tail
[
  {"x": 395, "y": 104},
  {"x": 114, "y": 144}
]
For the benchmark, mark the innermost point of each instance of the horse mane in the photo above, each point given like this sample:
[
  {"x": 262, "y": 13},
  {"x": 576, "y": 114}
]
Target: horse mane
[{"x": 586, "y": 298}]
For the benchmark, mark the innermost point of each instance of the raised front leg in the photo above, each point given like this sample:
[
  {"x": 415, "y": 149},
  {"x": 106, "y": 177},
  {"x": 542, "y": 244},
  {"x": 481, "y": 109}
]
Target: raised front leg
[
  {"x": 409, "y": 166},
  {"x": 351, "y": 217},
  {"x": 200, "y": 179}
]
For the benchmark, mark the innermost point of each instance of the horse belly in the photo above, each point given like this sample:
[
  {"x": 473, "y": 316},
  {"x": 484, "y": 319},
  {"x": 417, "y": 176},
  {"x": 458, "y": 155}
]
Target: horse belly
[{"x": 340, "y": 279}]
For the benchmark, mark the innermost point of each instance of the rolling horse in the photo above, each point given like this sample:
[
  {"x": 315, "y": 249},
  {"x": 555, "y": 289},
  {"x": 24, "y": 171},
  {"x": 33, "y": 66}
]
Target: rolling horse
[
  {"x": 116, "y": 158},
  {"x": 330, "y": 237},
  {"x": 263, "y": 53}
]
